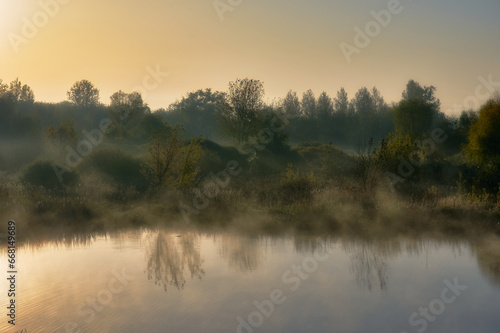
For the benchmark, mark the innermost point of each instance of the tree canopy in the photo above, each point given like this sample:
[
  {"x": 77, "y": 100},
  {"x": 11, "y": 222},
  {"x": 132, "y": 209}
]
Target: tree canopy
[{"x": 83, "y": 93}]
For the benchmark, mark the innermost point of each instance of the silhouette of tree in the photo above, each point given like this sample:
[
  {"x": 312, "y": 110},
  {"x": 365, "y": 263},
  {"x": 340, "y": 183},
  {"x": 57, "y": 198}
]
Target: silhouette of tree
[
  {"x": 197, "y": 112},
  {"x": 127, "y": 111},
  {"x": 83, "y": 93},
  {"x": 415, "y": 91},
  {"x": 341, "y": 102},
  {"x": 17, "y": 92},
  {"x": 324, "y": 108}
]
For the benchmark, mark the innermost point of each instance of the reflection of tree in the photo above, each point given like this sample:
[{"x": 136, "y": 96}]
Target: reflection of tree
[
  {"x": 169, "y": 254},
  {"x": 368, "y": 265},
  {"x": 369, "y": 261},
  {"x": 488, "y": 259},
  {"x": 241, "y": 252}
]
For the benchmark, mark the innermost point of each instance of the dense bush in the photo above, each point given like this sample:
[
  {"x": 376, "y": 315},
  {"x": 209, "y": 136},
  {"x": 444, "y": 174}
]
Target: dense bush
[{"x": 42, "y": 173}]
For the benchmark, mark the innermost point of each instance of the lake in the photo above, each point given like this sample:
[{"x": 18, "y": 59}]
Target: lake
[{"x": 165, "y": 280}]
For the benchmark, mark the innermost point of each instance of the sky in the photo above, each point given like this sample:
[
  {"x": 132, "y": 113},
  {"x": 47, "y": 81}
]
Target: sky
[{"x": 167, "y": 48}]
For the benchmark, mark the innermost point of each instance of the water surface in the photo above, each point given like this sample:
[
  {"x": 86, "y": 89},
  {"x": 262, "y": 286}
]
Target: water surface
[{"x": 188, "y": 281}]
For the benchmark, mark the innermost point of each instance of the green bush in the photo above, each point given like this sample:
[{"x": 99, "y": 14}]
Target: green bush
[{"x": 42, "y": 173}]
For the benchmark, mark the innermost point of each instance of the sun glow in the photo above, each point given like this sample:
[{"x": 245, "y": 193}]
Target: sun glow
[{"x": 9, "y": 14}]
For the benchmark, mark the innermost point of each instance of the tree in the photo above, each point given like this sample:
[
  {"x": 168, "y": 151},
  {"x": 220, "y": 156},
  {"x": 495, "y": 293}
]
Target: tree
[
  {"x": 169, "y": 162},
  {"x": 4, "y": 89},
  {"x": 27, "y": 95},
  {"x": 378, "y": 102},
  {"x": 241, "y": 113},
  {"x": 413, "y": 117},
  {"x": 291, "y": 105},
  {"x": 83, "y": 93},
  {"x": 17, "y": 92},
  {"x": 363, "y": 102},
  {"x": 483, "y": 146},
  {"x": 15, "y": 89},
  {"x": 309, "y": 104},
  {"x": 198, "y": 112},
  {"x": 189, "y": 165},
  {"x": 127, "y": 110},
  {"x": 415, "y": 91},
  {"x": 341, "y": 102},
  {"x": 324, "y": 108},
  {"x": 164, "y": 149}
]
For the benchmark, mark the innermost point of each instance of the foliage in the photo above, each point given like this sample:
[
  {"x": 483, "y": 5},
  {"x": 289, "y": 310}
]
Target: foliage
[
  {"x": 240, "y": 117},
  {"x": 198, "y": 112},
  {"x": 366, "y": 165},
  {"x": 42, "y": 173},
  {"x": 426, "y": 94},
  {"x": 16, "y": 92},
  {"x": 483, "y": 146},
  {"x": 189, "y": 165},
  {"x": 65, "y": 133},
  {"x": 291, "y": 105},
  {"x": 119, "y": 167},
  {"x": 170, "y": 162},
  {"x": 164, "y": 149},
  {"x": 324, "y": 106},
  {"x": 393, "y": 149},
  {"x": 84, "y": 94},
  {"x": 296, "y": 187},
  {"x": 308, "y": 104},
  {"x": 126, "y": 111},
  {"x": 413, "y": 117}
]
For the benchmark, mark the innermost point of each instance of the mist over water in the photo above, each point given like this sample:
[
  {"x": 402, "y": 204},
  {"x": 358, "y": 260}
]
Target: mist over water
[{"x": 181, "y": 280}]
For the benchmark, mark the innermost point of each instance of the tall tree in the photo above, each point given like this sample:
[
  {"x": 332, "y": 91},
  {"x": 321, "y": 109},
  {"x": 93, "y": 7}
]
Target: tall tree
[
  {"x": 378, "y": 101},
  {"x": 83, "y": 93},
  {"x": 241, "y": 114},
  {"x": 427, "y": 93},
  {"x": 341, "y": 102},
  {"x": 308, "y": 104},
  {"x": 291, "y": 104},
  {"x": 363, "y": 102},
  {"x": 27, "y": 94},
  {"x": 324, "y": 107}
]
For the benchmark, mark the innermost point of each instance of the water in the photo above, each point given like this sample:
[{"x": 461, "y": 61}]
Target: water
[{"x": 188, "y": 281}]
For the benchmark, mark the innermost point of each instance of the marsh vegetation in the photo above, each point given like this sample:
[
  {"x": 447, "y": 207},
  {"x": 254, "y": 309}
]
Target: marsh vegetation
[{"x": 213, "y": 157}]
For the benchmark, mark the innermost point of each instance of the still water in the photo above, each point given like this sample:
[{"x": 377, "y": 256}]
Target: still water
[{"x": 190, "y": 281}]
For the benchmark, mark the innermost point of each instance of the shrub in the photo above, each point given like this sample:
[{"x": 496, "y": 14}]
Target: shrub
[
  {"x": 119, "y": 167},
  {"x": 296, "y": 187},
  {"x": 42, "y": 173}
]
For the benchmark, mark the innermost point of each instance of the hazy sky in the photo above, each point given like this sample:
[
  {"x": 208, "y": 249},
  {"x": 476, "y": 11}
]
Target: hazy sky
[{"x": 288, "y": 44}]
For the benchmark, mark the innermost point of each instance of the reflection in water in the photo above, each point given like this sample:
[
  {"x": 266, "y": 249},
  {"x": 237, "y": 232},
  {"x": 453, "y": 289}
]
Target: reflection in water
[
  {"x": 371, "y": 259},
  {"x": 169, "y": 254},
  {"x": 242, "y": 253},
  {"x": 488, "y": 258},
  {"x": 369, "y": 264}
]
